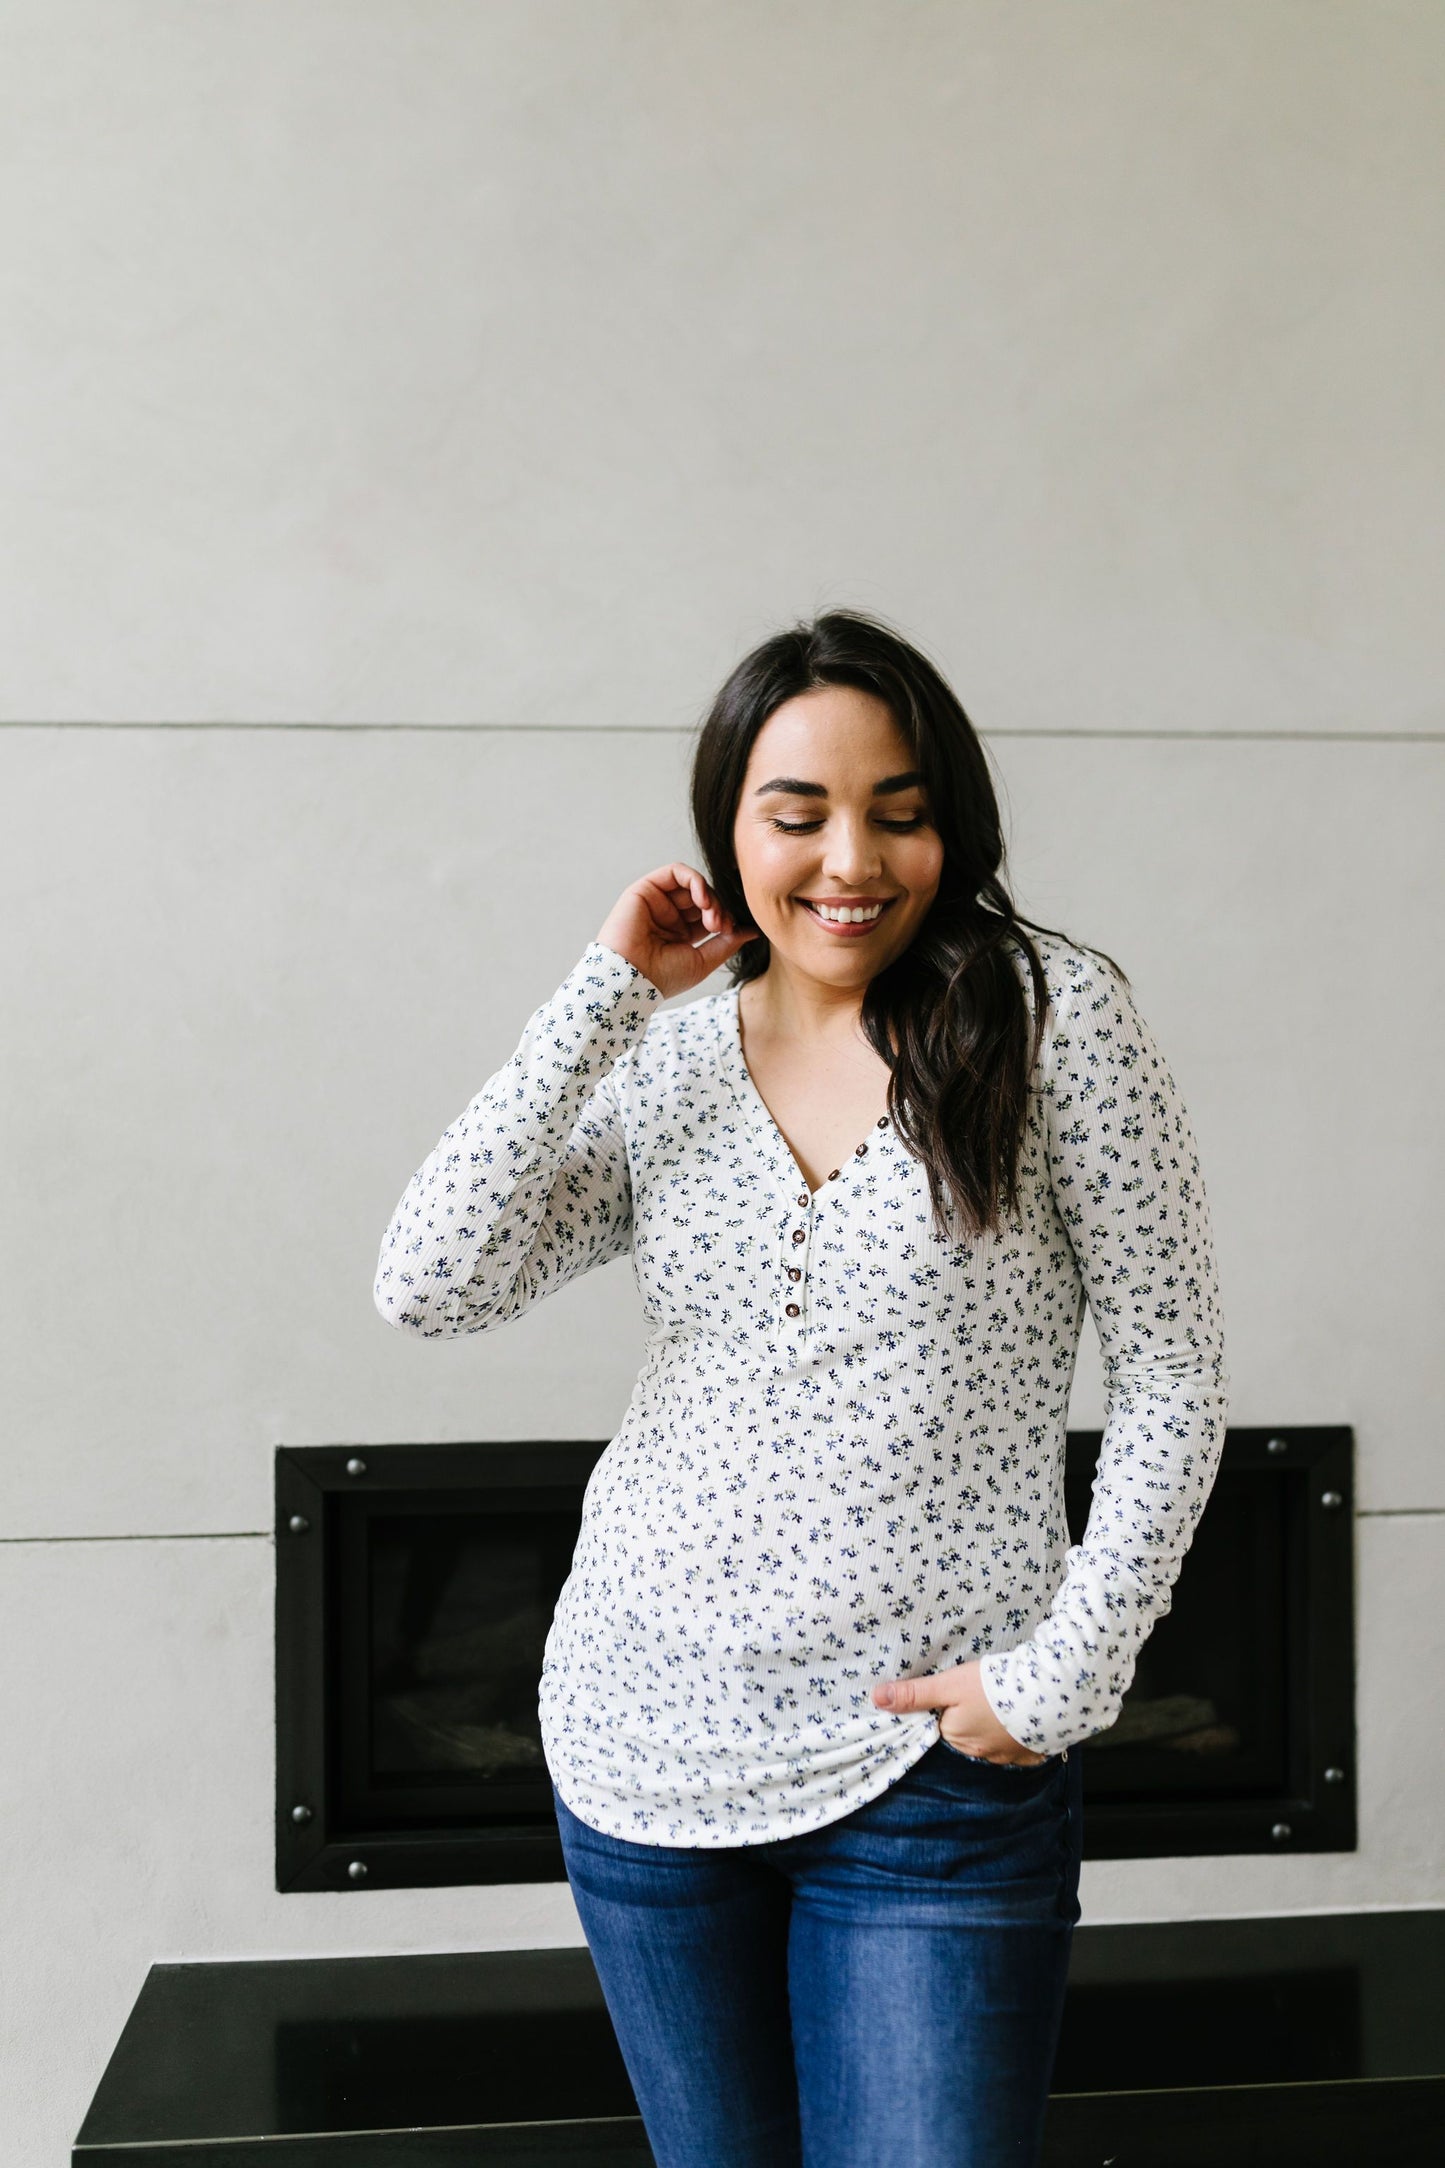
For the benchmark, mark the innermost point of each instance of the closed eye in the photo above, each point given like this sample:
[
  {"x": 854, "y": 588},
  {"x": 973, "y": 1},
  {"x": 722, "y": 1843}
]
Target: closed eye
[{"x": 803, "y": 828}]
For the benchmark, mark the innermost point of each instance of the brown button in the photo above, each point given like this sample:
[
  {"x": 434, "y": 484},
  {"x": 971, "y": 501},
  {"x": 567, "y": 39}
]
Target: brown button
[
  {"x": 795, "y": 1272},
  {"x": 883, "y": 1121},
  {"x": 800, "y": 1234},
  {"x": 792, "y": 1309},
  {"x": 804, "y": 1198},
  {"x": 860, "y": 1151},
  {"x": 835, "y": 1174}
]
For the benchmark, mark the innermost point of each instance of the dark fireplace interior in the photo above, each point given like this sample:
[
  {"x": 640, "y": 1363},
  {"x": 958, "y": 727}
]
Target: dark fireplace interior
[{"x": 415, "y": 1585}]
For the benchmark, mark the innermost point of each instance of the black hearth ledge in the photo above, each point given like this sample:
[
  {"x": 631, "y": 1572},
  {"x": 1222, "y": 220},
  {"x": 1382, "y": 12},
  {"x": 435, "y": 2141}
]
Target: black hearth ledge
[{"x": 1300, "y": 2041}]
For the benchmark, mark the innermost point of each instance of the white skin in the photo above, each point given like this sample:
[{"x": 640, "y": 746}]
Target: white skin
[{"x": 854, "y": 844}]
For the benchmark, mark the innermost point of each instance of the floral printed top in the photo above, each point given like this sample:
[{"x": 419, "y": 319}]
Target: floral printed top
[{"x": 843, "y": 1457}]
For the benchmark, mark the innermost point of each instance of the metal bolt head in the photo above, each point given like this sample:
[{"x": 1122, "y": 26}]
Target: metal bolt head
[
  {"x": 301, "y": 1812},
  {"x": 1277, "y": 1445},
  {"x": 356, "y": 1466},
  {"x": 357, "y": 1870},
  {"x": 1281, "y": 1831},
  {"x": 1334, "y": 1776},
  {"x": 1332, "y": 1498},
  {"x": 298, "y": 1524}
]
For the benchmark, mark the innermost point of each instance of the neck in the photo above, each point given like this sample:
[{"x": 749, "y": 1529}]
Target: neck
[{"x": 787, "y": 1003}]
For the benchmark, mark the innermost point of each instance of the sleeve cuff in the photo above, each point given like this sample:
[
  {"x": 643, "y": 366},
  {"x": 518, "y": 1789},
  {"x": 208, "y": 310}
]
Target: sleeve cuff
[
  {"x": 1022, "y": 1707},
  {"x": 617, "y": 972}
]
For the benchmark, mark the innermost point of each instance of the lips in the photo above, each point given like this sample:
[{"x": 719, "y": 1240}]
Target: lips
[{"x": 851, "y": 903}]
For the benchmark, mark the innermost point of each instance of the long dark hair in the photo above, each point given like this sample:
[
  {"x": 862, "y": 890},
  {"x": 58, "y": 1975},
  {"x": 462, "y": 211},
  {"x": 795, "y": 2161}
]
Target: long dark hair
[{"x": 949, "y": 1015}]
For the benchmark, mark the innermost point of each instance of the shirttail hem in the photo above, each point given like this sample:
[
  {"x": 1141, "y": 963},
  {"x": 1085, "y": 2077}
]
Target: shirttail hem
[{"x": 710, "y": 1838}]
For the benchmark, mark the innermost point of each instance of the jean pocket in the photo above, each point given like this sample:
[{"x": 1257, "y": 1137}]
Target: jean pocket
[{"x": 1005, "y": 1768}]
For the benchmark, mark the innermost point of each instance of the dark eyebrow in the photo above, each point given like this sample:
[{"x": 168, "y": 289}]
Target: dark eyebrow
[{"x": 792, "y": 788}]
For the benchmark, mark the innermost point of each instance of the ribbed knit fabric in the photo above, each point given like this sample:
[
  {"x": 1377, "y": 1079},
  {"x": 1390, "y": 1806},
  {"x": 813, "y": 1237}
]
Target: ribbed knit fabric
[{"x": 842, "y": 1460}]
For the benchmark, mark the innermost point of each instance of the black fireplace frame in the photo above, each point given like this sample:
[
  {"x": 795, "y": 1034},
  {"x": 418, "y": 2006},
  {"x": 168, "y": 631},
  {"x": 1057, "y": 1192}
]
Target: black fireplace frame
[{"x": 1314, "y": 1811}]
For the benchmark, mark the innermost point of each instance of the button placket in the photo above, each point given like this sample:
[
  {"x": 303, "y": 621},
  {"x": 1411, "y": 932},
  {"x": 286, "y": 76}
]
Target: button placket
[
  {"x": 806, "y": 1200},
  {"x": 793, "y": 1305}
]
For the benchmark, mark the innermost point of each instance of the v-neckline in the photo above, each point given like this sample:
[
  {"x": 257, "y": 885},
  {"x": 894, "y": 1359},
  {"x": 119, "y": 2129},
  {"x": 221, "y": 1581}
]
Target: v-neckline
[{"x": 745, "y": 1083}]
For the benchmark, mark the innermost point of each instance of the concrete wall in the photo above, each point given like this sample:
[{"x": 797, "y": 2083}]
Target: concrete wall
[{"x": 410, "y": 412}]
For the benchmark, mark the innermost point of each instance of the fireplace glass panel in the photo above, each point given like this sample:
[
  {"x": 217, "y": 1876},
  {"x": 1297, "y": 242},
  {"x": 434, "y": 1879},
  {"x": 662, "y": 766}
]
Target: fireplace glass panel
[
  {"x": 1207, "y": 1711},
  {"x": 444, "y": 1610}
]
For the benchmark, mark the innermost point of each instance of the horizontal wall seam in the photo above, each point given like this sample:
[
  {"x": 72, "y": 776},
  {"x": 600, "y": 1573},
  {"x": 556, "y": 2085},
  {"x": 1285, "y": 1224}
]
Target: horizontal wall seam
[
  {"x": 180, "y": 1535},
  {"x": 678, "y": 730},
  {"x": 247, "y": 1535}
]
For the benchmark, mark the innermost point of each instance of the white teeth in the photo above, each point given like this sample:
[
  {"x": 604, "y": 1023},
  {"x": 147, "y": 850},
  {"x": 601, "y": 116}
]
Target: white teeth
[{"x": 858, "y": 916}]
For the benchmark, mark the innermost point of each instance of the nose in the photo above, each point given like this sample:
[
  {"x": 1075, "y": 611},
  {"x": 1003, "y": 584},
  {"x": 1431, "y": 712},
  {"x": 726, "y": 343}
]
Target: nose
[{"x": 853, "y": 856}]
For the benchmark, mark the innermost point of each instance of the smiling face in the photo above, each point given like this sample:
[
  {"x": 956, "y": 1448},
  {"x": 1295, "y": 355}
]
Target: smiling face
[{"x": 832, "y": 810}]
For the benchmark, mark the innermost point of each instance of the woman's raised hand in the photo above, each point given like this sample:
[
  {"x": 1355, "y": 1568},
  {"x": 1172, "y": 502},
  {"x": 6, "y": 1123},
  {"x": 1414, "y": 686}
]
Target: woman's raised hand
[{"x": 672, "y": 928}]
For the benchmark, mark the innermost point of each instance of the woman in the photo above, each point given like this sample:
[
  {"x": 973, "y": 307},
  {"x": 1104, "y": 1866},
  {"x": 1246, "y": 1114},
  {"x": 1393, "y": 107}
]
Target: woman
[{"x": 813, "y": 1690}]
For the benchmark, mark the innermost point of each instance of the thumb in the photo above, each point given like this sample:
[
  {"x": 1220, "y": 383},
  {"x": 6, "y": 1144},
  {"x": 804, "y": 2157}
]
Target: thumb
[
  {"x": 909, "y": 1694},
  {"x": 719, "y": 947}
]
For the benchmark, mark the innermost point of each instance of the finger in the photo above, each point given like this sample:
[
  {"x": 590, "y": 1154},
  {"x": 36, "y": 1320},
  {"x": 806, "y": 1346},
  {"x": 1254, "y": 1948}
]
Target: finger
[
  {"x": 690, "y": 887},
  {"x": 690, "y": 902},
  {"x": 909, "y": 1694},
  {"x": 667, "y": 908},
  {"x": 674, "y": 900},
  {"x": 675, "y": 877},
  {"x": 727, "y": 941},
  {"x": 668, "y": 896}
]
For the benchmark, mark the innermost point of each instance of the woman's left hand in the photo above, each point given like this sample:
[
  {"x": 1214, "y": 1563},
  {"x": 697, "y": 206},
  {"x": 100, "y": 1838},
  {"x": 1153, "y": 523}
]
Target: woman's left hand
[{"x": 966, "y": 1719}]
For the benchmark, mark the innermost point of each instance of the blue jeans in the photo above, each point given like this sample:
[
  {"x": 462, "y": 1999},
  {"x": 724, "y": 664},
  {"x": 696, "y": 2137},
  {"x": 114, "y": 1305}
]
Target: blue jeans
[{"x": 884, "y": 1992}]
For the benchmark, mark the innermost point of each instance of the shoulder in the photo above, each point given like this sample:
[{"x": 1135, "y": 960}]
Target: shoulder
[
  {"x": 680, "y": 1043},
  {"x": 1080, "y": 981},
  {"x": 1093, "y": 1030}
]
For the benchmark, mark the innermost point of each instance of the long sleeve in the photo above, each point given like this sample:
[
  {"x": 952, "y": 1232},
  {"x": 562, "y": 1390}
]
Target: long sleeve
[
  {"x": 530, "y": 1185},
  {"x": 1126, "y": 1181}
]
